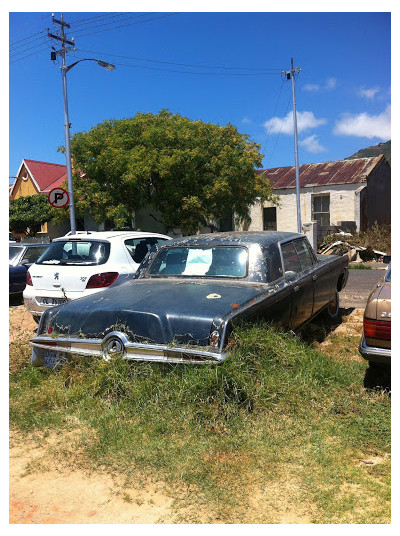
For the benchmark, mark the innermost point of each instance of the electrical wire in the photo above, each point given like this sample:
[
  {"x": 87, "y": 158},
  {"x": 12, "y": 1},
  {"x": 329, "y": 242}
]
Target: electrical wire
[
  {"x": 94, "y": 26},
  {"x": 274, "y": 115},
  {"x": 43, "y": 40},
  {"x": 33, "y": 53},
  {"x": 131, "y": 24},
  {"x": 182, "y": 64},
  {"x": 12, "y": 45},
  {"x": 188, "y": 72},
  {"x": 277, "y": 137}
]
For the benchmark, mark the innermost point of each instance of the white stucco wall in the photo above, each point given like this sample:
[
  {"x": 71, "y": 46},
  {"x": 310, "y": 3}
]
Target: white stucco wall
[{"x": 344, "y": 206}]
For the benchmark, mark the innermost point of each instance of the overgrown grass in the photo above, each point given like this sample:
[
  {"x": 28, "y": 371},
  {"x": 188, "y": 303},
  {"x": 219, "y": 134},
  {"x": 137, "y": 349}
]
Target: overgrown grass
[
  {"x": 359, "y": 267},
  {"x": 276, "y": 411}
]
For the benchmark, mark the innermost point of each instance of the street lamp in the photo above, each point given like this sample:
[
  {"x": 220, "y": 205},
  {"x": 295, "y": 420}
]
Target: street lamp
[{"x": 64, "y": 70}]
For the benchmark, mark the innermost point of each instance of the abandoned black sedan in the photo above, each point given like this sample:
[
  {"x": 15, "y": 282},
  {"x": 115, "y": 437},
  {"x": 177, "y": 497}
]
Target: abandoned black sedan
[{"x": 187, "y": 296}]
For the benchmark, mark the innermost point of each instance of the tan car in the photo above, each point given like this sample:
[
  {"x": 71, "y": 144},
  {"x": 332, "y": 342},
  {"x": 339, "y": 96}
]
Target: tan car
[{"x": 375, "y": 344}]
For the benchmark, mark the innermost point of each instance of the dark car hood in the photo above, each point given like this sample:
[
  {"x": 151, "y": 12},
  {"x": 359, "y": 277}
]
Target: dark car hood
[{"x": 157, "y": 310}]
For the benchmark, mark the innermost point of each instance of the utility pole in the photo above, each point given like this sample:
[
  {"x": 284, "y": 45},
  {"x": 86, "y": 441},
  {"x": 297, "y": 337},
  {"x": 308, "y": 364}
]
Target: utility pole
[
  {"x": 63, "y": 54},
  {"x": 291, "y": 75}
]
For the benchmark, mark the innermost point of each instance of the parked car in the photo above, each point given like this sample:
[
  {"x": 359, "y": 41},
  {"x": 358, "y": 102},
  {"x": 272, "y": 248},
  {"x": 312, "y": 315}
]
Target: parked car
[
  {"x": 375, "y": 344},
  {"x": 83, "y": 264},
  {"x": 21, "y": 256},
  {"x": 187, "y": 296}
]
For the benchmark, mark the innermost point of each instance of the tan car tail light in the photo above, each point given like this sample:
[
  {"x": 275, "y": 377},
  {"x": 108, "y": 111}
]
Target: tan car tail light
[{"x": 377, "y": 329}]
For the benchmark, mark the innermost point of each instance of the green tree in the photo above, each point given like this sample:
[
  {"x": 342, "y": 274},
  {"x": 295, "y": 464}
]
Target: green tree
[
  {"x": 192, "y": 172},
  {"x": 27, "y": 214}
]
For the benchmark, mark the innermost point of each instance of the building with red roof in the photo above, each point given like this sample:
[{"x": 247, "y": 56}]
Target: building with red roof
[{"x": 36, "y": 177}]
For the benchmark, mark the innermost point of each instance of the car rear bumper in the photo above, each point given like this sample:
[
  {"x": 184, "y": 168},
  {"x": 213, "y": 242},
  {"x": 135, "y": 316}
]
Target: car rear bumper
[
  {"x": 33, "y": 300},
  {"x": 117, "y": 343},
  {"x": 373, "y": 354}
]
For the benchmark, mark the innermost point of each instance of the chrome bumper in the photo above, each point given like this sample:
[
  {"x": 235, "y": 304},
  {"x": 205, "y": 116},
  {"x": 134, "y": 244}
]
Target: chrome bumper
[
  {"x": 374, "y": 354},
  {"x": 117, "y": 343}
]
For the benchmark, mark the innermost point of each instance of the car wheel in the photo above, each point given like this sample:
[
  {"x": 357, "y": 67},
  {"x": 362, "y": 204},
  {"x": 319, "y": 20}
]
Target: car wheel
[{"x": 332, "y": 310}]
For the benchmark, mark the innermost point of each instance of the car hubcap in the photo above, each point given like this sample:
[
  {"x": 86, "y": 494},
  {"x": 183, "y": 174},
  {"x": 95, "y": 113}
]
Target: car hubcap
[{"x": 113, "y": 346}]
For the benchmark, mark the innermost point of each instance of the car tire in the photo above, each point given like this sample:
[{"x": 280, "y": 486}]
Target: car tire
[{"x": 332, "y": 310}]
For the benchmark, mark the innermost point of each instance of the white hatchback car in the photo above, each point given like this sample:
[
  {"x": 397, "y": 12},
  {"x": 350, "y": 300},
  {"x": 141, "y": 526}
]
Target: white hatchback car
[{"x": 87, "y": 262}]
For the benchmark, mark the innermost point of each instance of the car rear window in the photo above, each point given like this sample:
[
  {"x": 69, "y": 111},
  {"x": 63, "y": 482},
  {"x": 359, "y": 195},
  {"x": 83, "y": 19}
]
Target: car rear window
[
  {"x": 77, "y": 252},
  {"x": 220, "y": 261}
]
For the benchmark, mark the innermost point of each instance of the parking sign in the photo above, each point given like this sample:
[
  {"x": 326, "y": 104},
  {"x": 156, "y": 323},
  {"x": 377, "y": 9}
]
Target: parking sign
[{"x": 58, "y": 197}]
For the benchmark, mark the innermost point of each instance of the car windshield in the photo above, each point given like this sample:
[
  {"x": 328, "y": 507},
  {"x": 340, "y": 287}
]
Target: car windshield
[
  {"x": 76, "y": 252},
  {"x": 220, "y": 261},
  {"x": 388, "y": 276},
  {"x": 14, "y": 251}
]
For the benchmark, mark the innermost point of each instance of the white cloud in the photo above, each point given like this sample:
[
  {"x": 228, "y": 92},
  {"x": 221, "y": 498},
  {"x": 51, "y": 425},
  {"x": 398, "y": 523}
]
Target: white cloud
[
  {"x": 284, "y": 125},
  {"x": 246, "y": 120},
  {"x": 369, "y": 93},
  {"x": 365, "y": 126},
  {"x": 329, "y": 85},
  {"x": 312, "y": 145}
]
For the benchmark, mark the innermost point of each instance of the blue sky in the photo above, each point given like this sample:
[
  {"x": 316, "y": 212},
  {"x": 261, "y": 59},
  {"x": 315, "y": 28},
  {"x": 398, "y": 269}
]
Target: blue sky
[{"x": 343, "y": 91}]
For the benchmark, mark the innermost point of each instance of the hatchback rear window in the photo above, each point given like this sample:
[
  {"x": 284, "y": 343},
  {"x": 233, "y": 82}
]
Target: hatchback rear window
[{"x": 76, "y": 252}]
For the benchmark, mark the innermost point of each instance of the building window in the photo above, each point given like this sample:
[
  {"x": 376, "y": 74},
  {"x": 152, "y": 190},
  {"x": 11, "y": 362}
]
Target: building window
[
  {"x": 269, "y": 219},
  {"x": 320, "y": 211}
]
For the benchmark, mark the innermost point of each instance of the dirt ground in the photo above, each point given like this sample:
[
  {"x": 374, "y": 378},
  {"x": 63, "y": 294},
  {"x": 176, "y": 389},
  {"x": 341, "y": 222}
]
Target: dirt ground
[{"x": 57, "y": 495}]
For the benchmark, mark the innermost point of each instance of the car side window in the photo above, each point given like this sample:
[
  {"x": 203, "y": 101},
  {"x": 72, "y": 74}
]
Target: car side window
[
  {"x": 139, "y": 247},
  {"x": 291, "y": 261},
  {"x": 32, "y": 254},
  {"x": 304, "y": 253}
]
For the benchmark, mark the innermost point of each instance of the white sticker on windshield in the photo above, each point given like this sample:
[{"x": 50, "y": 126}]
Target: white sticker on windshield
[{"x": 213, "y": 296}]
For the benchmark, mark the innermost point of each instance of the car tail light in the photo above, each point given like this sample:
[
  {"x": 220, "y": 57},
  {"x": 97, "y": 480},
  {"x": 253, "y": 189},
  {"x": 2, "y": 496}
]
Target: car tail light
[
  {"x": 102, "y": 280},
  {"x": 29, "y": 279},
  {"x": 377, "y": 329}
]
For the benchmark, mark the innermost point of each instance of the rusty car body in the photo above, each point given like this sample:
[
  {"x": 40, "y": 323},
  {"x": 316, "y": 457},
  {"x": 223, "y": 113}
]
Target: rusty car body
[
  {"x": 189, "y": 293},
  {"x": 375, "y": 344}
]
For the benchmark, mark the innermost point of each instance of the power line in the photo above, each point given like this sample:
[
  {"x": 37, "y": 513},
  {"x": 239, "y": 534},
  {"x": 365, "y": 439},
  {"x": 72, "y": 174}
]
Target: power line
[
  {"x": 92, "y": 26},
  {"x": 33, "y": 53},
  {"x": 131, "y": 24},
  {"x": 274, "y": 115},
  {"x": 103, "y": 16},
  {"x": 183, "y": 64},
  {"x": 43, "y": 38},
  {"x": 12, "y": 45},
  {"x": 277, "y": 137},
  {"x": 189, "y": 72}
]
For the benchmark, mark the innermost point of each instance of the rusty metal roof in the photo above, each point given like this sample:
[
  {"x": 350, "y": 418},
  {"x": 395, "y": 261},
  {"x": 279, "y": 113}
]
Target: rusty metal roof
[{"x": 351, "y": 171}]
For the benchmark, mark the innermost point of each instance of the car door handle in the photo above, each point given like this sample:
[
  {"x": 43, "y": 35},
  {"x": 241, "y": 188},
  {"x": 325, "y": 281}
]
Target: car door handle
[
  {"x": 296, "y": 288},
  {"x": 314, "y": 277}
]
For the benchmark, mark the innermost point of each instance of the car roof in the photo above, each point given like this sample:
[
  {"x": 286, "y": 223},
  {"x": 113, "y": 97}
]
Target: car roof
[
  {"x": 110, "y": 234},
  {"x": 265, "y": 238},
  {"x": 29, "y": 244}
]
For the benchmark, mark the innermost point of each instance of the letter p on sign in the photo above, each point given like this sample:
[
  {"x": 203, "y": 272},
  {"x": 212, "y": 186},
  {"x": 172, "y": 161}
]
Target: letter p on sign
[{"x": 58, "y": 198}]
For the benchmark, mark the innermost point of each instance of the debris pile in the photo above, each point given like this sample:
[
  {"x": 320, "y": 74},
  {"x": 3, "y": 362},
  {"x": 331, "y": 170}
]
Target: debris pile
[{"x": 355, "y": 253}]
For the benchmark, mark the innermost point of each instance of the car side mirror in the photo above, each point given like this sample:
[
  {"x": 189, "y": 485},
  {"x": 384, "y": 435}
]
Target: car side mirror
[{"x": 386, "y": 259}]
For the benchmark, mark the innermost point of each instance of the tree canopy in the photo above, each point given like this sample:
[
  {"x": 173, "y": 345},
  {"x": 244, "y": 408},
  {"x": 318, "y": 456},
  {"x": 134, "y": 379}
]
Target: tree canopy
[
  {"x": 27, "y": 214},
  {"x": 190, "y": 171}
]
